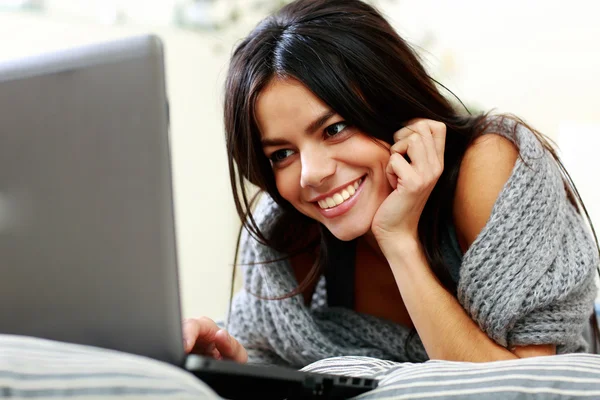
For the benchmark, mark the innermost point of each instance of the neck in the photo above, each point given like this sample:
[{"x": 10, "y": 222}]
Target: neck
[{"x": 369, "y": 238}]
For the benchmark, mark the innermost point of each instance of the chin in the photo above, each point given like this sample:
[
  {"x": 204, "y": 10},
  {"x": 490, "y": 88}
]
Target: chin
[{"x": 348, "y": 233}]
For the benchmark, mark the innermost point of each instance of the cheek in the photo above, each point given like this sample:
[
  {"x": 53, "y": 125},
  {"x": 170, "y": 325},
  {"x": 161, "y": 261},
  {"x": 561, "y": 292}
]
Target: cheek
[
  {"x": 373, "y": 156},
  {"x": 288, "y": 185},
  {"x": 377, "y": 159},
  {"x": 369, "y": 151},
  {"x": 384, "y": 160},
  {"x": 382, "y": 157}
]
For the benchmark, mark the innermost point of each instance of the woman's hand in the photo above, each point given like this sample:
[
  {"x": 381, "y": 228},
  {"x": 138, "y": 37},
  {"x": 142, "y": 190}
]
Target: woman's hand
[
  {"x": 423, "y": 141},
  {"x": 202, "y": 336}
]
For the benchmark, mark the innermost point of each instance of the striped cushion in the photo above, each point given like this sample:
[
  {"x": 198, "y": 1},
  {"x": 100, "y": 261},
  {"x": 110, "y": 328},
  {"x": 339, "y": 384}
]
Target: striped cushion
[
  {"x": 41, "y": 369},
  {"x": 564, "y": 376}
]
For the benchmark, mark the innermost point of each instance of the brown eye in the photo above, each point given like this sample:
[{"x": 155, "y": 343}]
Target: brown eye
[
  {"x": 280, "y": 155},
  {"x": 335, "y": 129}
]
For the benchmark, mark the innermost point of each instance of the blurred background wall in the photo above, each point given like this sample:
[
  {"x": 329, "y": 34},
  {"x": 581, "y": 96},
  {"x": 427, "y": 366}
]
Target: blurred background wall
[{"x": 537, "y": 59}]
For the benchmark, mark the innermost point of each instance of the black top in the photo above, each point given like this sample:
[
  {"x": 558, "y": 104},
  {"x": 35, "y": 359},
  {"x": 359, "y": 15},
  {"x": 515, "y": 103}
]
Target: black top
[
  {"x": 340, "y": 269},
  {"x": 339, "y": 273}
]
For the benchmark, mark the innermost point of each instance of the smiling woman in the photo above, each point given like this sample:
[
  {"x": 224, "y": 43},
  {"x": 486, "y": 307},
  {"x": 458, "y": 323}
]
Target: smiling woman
[
  {"x": 392, "y": 224},
  {"x": 326, "y": 170}
]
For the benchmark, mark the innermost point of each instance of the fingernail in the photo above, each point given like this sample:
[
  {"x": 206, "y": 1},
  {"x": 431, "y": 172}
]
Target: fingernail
[
  {"x": 227, "y": 335},
  {"x": 216, "y": 354}
]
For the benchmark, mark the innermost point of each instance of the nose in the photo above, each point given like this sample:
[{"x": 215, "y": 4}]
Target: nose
[{"x": 317, "y": 166}]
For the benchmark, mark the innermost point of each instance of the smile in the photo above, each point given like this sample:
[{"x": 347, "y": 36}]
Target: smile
[
  {"x": 342, "y": 201},
  {"x": 340, "y": 197}
]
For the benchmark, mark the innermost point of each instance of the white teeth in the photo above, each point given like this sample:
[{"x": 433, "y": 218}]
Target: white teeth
[{"x": 340, "y": 197}]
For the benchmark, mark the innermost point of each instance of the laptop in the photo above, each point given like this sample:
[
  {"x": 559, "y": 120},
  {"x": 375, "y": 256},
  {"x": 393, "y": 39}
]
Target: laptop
[{"x": 87, "y": 235}]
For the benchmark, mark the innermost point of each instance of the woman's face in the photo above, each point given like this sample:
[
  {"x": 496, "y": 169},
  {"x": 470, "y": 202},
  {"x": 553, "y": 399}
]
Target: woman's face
[{"x": 328, "y": 170}]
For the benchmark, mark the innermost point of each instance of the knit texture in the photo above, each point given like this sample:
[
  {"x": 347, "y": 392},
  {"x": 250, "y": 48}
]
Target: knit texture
[{"x": 527, "y": 279}]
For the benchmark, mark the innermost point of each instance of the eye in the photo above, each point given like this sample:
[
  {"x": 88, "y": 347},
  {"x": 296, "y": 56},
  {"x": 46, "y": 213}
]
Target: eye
[
  {"x": 280, "y": 155},
  {"x": 335, "y": 129}
]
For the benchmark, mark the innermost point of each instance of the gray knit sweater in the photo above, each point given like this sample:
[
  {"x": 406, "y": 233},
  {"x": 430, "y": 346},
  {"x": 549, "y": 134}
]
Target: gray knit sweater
[{"x": 527, "y": 279}]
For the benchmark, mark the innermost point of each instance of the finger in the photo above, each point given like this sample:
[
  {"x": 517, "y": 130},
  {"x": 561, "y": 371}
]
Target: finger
[
  {"x": 415, "y": 125},
  {"x": 210, "y": 350},
  {"x": 199, "y": 333},
  {"x": 190, "y": 332},
  {"x": 438, "y": 133},
  {"x": 430, "y": 130},
  {"x": 390, "y": 175},
  {"x": 415, "y": 121},
  {"x": 399, "y": 171},
  {"x": 414, "y": 146},
  {"x": 404, "y": 133},
  {"x": 429, "y": 143},
  {"x": 229, "y": 347}
]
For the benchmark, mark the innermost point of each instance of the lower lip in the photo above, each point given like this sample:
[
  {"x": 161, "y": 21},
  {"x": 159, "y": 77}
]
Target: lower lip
[{"x": 344, "y": 207}]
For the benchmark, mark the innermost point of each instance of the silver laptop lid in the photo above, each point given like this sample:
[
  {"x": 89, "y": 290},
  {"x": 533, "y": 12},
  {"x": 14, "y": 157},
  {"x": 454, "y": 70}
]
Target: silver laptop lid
[{"x": 87, "y": 240}]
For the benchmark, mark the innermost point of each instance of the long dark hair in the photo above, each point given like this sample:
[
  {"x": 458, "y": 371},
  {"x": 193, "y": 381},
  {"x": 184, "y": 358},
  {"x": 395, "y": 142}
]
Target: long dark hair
[{"x": 349, "y": 56}]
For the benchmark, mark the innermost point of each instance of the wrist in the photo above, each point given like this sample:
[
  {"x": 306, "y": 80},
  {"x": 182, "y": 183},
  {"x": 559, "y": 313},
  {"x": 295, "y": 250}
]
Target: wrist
[{"x": 400, "y": 245}]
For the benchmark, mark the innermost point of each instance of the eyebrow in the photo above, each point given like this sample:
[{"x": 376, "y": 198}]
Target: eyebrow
[
  {"x": 311, "y": 128},
  {"x": 319, "y": 122}
]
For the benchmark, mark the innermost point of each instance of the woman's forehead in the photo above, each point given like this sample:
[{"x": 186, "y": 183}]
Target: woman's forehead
[{"x": 285, "y": 105}]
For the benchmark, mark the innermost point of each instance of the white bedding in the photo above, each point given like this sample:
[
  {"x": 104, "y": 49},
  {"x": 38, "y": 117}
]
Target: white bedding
[{"x": 42, "y": 369}]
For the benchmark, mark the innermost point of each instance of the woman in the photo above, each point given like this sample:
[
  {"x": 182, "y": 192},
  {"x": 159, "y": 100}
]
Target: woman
[{"x": 393, "y": 225}]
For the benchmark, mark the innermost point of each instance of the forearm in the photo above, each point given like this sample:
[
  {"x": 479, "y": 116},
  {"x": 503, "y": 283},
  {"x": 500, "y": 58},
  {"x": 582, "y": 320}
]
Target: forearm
[{"x": 445, "y": 329}]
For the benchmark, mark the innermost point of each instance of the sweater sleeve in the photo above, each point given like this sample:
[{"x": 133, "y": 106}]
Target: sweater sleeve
[
  {"x": 246, "y": 322},
  {"x": 528, "y": 278},
  {"x": 250, "y": 334}
]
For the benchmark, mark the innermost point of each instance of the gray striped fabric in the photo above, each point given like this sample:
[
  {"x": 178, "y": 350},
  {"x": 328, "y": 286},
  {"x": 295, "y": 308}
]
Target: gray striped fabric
[
  {"x": 42, "y": 369},
  {"x": 564, "y": 376}
]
